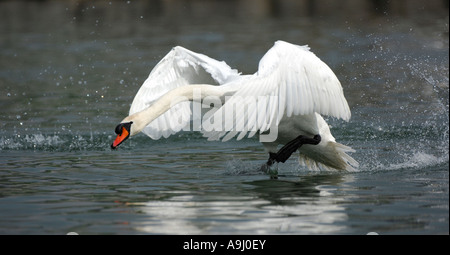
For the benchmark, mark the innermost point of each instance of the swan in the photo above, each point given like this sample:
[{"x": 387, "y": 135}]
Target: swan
[{"x": 282, "y": 103}]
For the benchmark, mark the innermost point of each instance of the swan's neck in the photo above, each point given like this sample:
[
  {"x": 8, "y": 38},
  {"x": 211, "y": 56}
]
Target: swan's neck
[{"x": 185, "y": 93}]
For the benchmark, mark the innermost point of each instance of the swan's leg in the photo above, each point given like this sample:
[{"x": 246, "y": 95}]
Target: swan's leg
[{"x": 286, "y": 151}]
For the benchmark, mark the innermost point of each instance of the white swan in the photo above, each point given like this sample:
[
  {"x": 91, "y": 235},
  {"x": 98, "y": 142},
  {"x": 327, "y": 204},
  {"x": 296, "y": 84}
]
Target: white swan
[{"x": 281, "y": 103}]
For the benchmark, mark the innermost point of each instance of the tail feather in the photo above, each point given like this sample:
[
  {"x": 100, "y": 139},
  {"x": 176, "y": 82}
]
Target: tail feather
[{"x": 326, "y": 156}]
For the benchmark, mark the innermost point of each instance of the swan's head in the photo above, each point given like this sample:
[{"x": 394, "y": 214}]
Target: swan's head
[{"x": 123, "y": 131}]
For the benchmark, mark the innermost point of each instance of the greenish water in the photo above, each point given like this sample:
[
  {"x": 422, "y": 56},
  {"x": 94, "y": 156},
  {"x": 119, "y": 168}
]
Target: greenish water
[{"x": 68, "y": 76}]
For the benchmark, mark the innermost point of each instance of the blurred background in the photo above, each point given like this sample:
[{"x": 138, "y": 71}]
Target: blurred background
[{"x": 101, "y": 51}]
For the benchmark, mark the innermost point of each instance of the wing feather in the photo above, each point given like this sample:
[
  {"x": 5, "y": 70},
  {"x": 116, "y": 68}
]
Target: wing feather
[
  {"x": 290, "y": 80},
  {"x": 180, "y": 67}
]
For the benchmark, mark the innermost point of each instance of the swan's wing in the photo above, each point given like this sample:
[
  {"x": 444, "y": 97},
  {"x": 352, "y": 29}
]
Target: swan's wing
[
  {"x": 180, "y": 67},
  {"x": 290, "y": 80}
]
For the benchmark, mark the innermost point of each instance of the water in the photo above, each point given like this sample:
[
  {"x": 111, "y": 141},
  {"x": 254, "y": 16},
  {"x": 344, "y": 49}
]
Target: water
[{"x": 68, "y": 74}]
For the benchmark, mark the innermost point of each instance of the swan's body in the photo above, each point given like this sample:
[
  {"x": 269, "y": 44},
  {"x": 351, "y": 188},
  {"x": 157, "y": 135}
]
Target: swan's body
[{"x": 283, "y": 100}]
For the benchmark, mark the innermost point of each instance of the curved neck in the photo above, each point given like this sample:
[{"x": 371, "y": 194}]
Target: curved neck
[{"x": 164, "y": 103}]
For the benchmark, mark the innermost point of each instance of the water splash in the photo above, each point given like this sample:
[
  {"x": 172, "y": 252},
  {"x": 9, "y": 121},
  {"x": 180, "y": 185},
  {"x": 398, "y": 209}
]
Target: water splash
[
  {"x": 401, "y": 118},
  {"x": 418, "y": 160},
  {"x": 63, "y": 142},
  {"x": 241, "y": 167}
]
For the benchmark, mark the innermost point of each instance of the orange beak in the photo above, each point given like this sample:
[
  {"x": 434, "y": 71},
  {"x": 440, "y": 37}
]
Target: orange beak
[{"x": 120, "y": 138}]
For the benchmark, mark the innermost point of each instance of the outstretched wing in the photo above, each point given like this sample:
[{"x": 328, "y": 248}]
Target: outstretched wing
[
  {"x": 290, "y": 80},
  {"x": 180, "y": 67}
]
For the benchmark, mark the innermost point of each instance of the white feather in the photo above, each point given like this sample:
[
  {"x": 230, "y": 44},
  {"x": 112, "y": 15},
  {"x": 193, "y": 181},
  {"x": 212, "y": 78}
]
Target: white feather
[
  {"x": 180, "y": 67},
  {"x": 290, "y": 80}
]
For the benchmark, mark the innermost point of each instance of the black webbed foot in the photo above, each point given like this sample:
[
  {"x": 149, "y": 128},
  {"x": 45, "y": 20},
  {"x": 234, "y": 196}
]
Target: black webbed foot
[{"x": 286, "y": 151}]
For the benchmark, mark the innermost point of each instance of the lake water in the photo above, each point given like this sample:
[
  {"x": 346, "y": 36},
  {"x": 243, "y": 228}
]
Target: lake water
[{"x": 68, "y": 73}]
